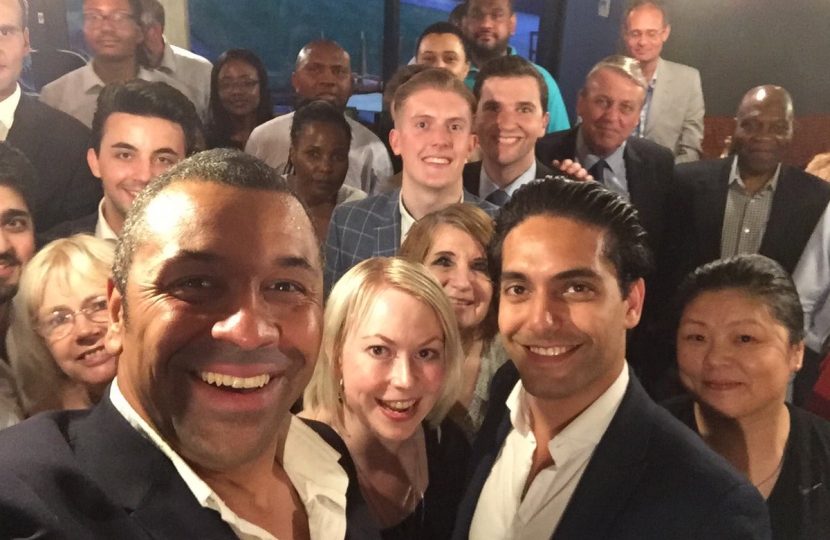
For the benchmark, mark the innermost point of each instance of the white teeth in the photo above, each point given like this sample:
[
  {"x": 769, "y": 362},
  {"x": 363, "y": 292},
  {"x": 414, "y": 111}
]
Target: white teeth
[
  {"x": 399, "y": 406},
  {"x": 550, "y": 351},
  {"x": 508, "y": 140},
  {"x": 437, "y": 160},
  {"x": 218, "y": 379}
]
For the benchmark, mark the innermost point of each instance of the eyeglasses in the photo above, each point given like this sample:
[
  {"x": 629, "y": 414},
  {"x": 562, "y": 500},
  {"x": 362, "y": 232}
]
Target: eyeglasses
[
  {"x": 116, "y": 18},
  {"x": 650, "y": 34},
  {"x": 61, "y": 322},
  {"x": 237, "y": 84}
]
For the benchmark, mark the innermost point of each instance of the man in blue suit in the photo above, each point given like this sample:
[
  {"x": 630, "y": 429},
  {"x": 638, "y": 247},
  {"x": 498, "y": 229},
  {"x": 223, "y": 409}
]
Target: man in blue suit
[
  {"x": 572, "y": 447},
  {"x": 433, "y": 114}
]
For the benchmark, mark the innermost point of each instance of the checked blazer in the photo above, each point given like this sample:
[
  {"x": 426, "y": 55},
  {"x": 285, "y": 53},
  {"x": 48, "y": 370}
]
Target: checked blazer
[{"x": 370, "y": 228}]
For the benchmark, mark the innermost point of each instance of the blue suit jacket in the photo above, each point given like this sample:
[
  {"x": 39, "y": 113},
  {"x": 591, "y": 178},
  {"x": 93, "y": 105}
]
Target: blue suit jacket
[
  {"x": 370, "y": 228},
  {"x": 650, "y": 477}
]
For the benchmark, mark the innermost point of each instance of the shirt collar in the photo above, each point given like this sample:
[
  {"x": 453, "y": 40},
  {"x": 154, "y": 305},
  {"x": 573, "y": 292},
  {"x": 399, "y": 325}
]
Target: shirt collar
[
  {"x": 168, "y": 60},
  {"x": 586, "y": 430},
  {"x": 735, "y": 176},
  {"x": 92, "y": 83},
  {"x": 615, "y": 162},
  {"x": 8, "y": 107},
  {"x": 487, "y": 186},
  {"x": 310, "y": 463},
  {"x": 407, "y": 220},
  {"x": 102, "y": 228}
]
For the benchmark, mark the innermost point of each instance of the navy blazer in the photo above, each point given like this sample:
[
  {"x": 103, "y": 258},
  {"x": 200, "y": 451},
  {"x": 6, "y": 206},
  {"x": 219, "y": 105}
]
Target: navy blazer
[
  {"x": 369, "y": 228},
  {"x": 90, "y": 475},
  {"x": 650, "y": 477},
  {"x": 472, "y": 175},
  {"x": 56, "y": 144},
  {"x": 648, "y": 167}
]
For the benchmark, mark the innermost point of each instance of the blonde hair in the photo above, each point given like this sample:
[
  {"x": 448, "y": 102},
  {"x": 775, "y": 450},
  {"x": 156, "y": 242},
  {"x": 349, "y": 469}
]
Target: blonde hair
[
  {"x": 65, "y": 262},
  {"x": 432, "y": 79},
  {"x": 350, "y": 300}
]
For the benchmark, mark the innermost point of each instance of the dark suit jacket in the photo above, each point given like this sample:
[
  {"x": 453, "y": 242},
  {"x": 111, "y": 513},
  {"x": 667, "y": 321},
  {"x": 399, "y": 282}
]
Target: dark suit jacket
[
  {"x": 648, "y": 169},
  {"x": 369, "y": 228},
  {"x": 66, "y": 229},
  {"x": 472, "y": 175},
  {"x": 699, "y": 204},
  {"x": 90, "y": 475},
  {"x": 56, "y": 144},
  {"x": 650, "y": 477}
]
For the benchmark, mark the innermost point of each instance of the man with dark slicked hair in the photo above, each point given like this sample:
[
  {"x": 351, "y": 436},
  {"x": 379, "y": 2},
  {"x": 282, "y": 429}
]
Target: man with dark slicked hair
[
  {"x": 572, "y": 447},
  {"x": 324, "y": 71},
  {"x": 216, "y": 315}
]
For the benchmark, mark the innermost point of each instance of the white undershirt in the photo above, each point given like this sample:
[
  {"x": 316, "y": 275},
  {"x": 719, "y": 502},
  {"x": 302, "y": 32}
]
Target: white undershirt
[{"x": 501, "y": 512}]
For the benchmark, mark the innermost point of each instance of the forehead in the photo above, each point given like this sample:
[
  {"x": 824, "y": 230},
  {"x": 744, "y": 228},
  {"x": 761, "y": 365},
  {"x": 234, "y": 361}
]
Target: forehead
[
  {"x": 441, "y": 42},
  {"x": 316, "y": 132},
  {"x": 646, "y": 17},
  {"x": 200, "y": 216},
  {"x": 771, "y": 108},
  {"x": 448, "y": 237},
  {"x": 108, "y": 5},
  {"x": 327, "y": 55},
  {"x": 731, "y": 303},
  {"x": 145, "y": 130},
  {"x": 11, "y": 200},
  {"x": 235, "y": 68},
  {"x": 10, "y": 13},
  {"x": 436, "y": 102},
  {"x": 533, "y": 250},
  {"x": 489, "y": 5},
  {"x": 511, "y": 89}
]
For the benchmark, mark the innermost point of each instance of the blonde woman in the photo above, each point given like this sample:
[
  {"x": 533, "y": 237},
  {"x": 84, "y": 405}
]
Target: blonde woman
[
  {"x": 59, "y": 319},
  {"x": 389, "y": 370}
]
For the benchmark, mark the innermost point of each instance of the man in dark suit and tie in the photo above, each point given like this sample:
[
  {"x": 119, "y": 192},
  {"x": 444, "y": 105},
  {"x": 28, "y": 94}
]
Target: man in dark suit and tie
[
  {"x": 512, "y": 115},
  {"x": 54, "y": 142},
  {"x": 215, "y": 312},
  {"x": 433, "y": 113},
  {"x": 572, "y": 447}
]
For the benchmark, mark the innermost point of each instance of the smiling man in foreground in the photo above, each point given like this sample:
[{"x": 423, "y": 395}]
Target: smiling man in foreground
[
  {"x": 572, "y": 447},
  {"x": 215, "y": 311}
]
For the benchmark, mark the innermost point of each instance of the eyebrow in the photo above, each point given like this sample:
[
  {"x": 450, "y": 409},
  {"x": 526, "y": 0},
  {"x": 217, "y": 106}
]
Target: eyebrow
[
  {"x": 392, "y": 342},
  {"x": 567, "y": 274},
  {"x": 283, "y": 261},
  {"x": 12, "y": 213}
]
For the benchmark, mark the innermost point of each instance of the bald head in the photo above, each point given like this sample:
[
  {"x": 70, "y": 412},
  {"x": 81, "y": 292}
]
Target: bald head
[
  {"x": 323, "y": 71},
  {"x": 763, "y": 129}
]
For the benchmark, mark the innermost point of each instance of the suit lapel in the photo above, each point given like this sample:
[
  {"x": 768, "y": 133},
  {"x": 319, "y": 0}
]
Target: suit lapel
[
  {"x": 24, "y": 133},
  {"x": 388, "y": 231},
  {"x": 710, "y": 209},
  {"x": 784, "y": 209},
  {"x": 543, "y": 170},
  {"x": 661, "y": 98},
  {"x": 472, "y": 177},
  {"x": 136, "y": 475},
  {"x": 613, "y": 472}
]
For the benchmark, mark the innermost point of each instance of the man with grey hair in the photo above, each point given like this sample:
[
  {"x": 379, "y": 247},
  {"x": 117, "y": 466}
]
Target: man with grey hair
[
  {"x": 673, "y": 111},
  {"x": 215, "y": 312},
  {"x": 190, "y": 69},
  {"x": 323, "y": 71},
  {"x": 636, "y": 168}
]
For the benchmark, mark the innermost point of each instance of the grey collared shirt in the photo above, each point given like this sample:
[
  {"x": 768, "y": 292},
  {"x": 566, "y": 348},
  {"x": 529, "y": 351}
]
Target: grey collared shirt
[
  {"x": 614, "y": 175},
  {"x": 746, "y": 216}
]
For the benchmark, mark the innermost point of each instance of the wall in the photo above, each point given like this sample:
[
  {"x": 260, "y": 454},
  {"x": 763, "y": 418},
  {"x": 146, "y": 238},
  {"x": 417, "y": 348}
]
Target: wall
[{"x": 736, "y": 44}]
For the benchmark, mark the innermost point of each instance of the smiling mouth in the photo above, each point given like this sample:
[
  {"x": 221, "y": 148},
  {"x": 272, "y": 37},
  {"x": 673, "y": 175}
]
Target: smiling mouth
[
  {"x": 508, "y": 140},
  {"x": 552, "y": 351},
  {"x": 236, "y": 383},
  {"x": 438, "y": 160},
  {"x": 402, "y": 407},
  {"x": 95, "y": 356}
]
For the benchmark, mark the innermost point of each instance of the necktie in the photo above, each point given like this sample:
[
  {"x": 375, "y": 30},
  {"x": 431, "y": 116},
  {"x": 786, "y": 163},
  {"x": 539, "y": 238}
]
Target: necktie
[
  {"x": 597, "y": 170},
  {"x": 498, "y": 197}
]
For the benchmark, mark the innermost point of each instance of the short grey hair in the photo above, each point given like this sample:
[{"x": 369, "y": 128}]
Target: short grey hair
[{"x": 623, "y": 65}]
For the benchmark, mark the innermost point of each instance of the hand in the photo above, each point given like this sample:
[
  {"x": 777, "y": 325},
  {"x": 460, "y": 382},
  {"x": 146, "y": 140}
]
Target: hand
[
  {"x": 820, "y": 166},
  {"x": 572, "y": 168}
]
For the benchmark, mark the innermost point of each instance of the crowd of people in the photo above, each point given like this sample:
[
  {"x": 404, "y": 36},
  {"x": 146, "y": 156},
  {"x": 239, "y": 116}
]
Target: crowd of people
[{"x": 470, "y": 320}]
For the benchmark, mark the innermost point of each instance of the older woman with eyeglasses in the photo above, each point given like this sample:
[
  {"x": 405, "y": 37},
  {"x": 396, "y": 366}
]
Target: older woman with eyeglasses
[{"x": 59, "y": 320}]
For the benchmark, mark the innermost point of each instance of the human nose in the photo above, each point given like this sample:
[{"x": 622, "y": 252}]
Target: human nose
[
  {"x": 716, "y": 354},
  {"x": 249, "y": 326},
  {"x": 401, "y": 375},
  {"x": 441, "y": 137},
  {"x": 544, "y": 314},
  {"x": 459, "y": 278},
  {"x": 84, "y": 328}
]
